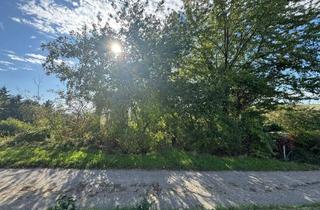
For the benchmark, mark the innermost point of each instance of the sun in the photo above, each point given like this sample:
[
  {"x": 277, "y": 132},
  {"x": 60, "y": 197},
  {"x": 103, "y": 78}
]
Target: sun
[{"x": 116, "y": 48}]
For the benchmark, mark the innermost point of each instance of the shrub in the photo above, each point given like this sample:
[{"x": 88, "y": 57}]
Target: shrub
[
  {"x": 39, "y": 135},
  {"x": 272, "y": 127},
  {"x": 310, "y": 141},
  {"x": 129, "y": 140},
  {"x": 64, "y": 202},
  {"x": 80, "y": 130},
  {"x": 29, "y": 137},
  {"x": 11, "y": 127},
  {"x": 303, "y": 122}
]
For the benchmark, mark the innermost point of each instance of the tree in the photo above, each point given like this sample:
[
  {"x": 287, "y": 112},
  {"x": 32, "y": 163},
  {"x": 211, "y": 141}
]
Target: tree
[
  {"x": 209, "y": 70},
  {"x": 9, "y": 105},
  {"x": 115, "y": 82},
  {"x": 263, "y": 52},
  {"x": 246, "y": 57},
  {"x": 4, "y": 100}
]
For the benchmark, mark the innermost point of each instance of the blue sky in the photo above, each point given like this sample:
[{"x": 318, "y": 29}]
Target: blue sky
[
  {"x": 20, "y": 54},
  {"x": 25, "y": 24}
]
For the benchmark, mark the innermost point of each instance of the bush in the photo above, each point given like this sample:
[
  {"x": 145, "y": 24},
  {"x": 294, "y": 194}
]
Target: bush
[
  {"x": 272, "y": 127},
  {"x": 129, "y": 141},
  {"x": 81, "y": 130},
  {"x": 308, "y": 146},
  {"x": 29, "y": 137},
  {"x": 33, "y": 136},
  {"x": 11, "y": 127},
  {"x": 64, "y": 202},
  {"x": 302, "y": 122},
  {"x": 256, "y": 141}
]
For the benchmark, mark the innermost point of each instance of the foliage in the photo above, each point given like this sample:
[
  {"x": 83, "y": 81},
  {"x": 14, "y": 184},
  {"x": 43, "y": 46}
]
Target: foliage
[
  {"x": 313, "y": 206},
  {"x": 9, "y": 105},
  {"x": 27, "y": 156},
  {"x": 143, "y": 205},
  {"x": 30, "y": 137},
  {"x": 199, "y": 79},
  {"x": 303, "y": 123},
  {"x": 13, "y": 106},
  {"x": 11, "y": 127},
  {"x": 207, "y": 74},
  {"x": 240, "y": 59},
  {"x": 64, "y": 202}
]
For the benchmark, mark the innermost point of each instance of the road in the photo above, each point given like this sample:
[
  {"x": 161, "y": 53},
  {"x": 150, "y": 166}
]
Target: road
[{"x": 38, "y": 188}]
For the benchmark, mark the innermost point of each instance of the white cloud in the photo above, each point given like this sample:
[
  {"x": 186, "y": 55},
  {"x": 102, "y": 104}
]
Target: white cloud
[
  {"x": 33, "y": 58},
  {"x": 53, "y": 18},
  {"x": 15, "y": 19},
  {"x": 13, "y": 68},
  {"x": 36, "y": 56},
  {"x": 27, "y": 68},
  {"x": 7, "y": 51},
  {"x": 41, "y": 25},
  {"x": 16, "y": 57},
  {"x": 28, "y": 58},
  {"x": 17, "y": 62},
  {"x": 1, "y": 26},
  {"x": 6, "y": 63},
  {"x": 8, "y": 68},
  {"x": 50, "y": 17},
  {"x": 305, "y": 3}
]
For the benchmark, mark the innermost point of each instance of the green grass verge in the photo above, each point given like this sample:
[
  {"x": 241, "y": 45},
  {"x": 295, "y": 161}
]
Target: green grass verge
[
  {"x": 315, "y": 206},
  {"x": 21, "y": 157}
]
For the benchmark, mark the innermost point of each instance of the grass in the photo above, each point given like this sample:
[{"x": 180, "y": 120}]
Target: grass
[
  {"x": 27, "y": 156},
  {"x": 315, "y": 206},
  {"x": 65, "y": 202}
]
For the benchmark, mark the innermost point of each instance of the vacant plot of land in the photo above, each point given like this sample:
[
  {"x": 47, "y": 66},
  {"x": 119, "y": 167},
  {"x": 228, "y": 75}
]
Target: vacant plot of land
[{"x": 38, "y": 188}]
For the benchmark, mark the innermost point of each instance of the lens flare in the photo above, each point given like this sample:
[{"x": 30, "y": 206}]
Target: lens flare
[{"x": 116, "y": 48}]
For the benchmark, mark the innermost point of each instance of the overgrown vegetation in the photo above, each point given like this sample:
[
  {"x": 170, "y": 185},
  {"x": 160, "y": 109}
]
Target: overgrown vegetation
[
  {"x": 176, "y": 160},
  {"x": 215, "y": 79},
  {"x": 272, "y": 207},
  {"x": 302, "y": 125},
  {"x": 68, "y": 203},
  {"x": 64, "y": 202},
  {"x": 252, "y": 207}
]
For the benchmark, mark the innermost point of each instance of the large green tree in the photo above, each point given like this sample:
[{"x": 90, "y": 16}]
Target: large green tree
[
  {"x": 110, "y": 66},
  {"x": 246, "y": 57},
  {"x": 92, "y": 67},
  {"x": 258, "y": 52},
  {"x": 208, "y": 71}
]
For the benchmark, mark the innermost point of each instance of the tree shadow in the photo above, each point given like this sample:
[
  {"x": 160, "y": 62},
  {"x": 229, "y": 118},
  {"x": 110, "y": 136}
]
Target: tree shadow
[{"x": 39, "y": 188}]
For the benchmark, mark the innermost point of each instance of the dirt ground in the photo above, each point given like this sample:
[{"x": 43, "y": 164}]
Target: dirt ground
[{"x": 38, "y": 188}]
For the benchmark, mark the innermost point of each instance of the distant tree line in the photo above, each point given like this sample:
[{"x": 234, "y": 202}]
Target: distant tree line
[{"x": 14, "y": 106}]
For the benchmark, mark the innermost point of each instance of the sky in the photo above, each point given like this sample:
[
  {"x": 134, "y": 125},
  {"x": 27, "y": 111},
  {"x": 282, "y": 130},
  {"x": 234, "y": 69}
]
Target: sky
[
  {"x": 20, "y": 53},
  {"x": 25, "y": 24}
]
